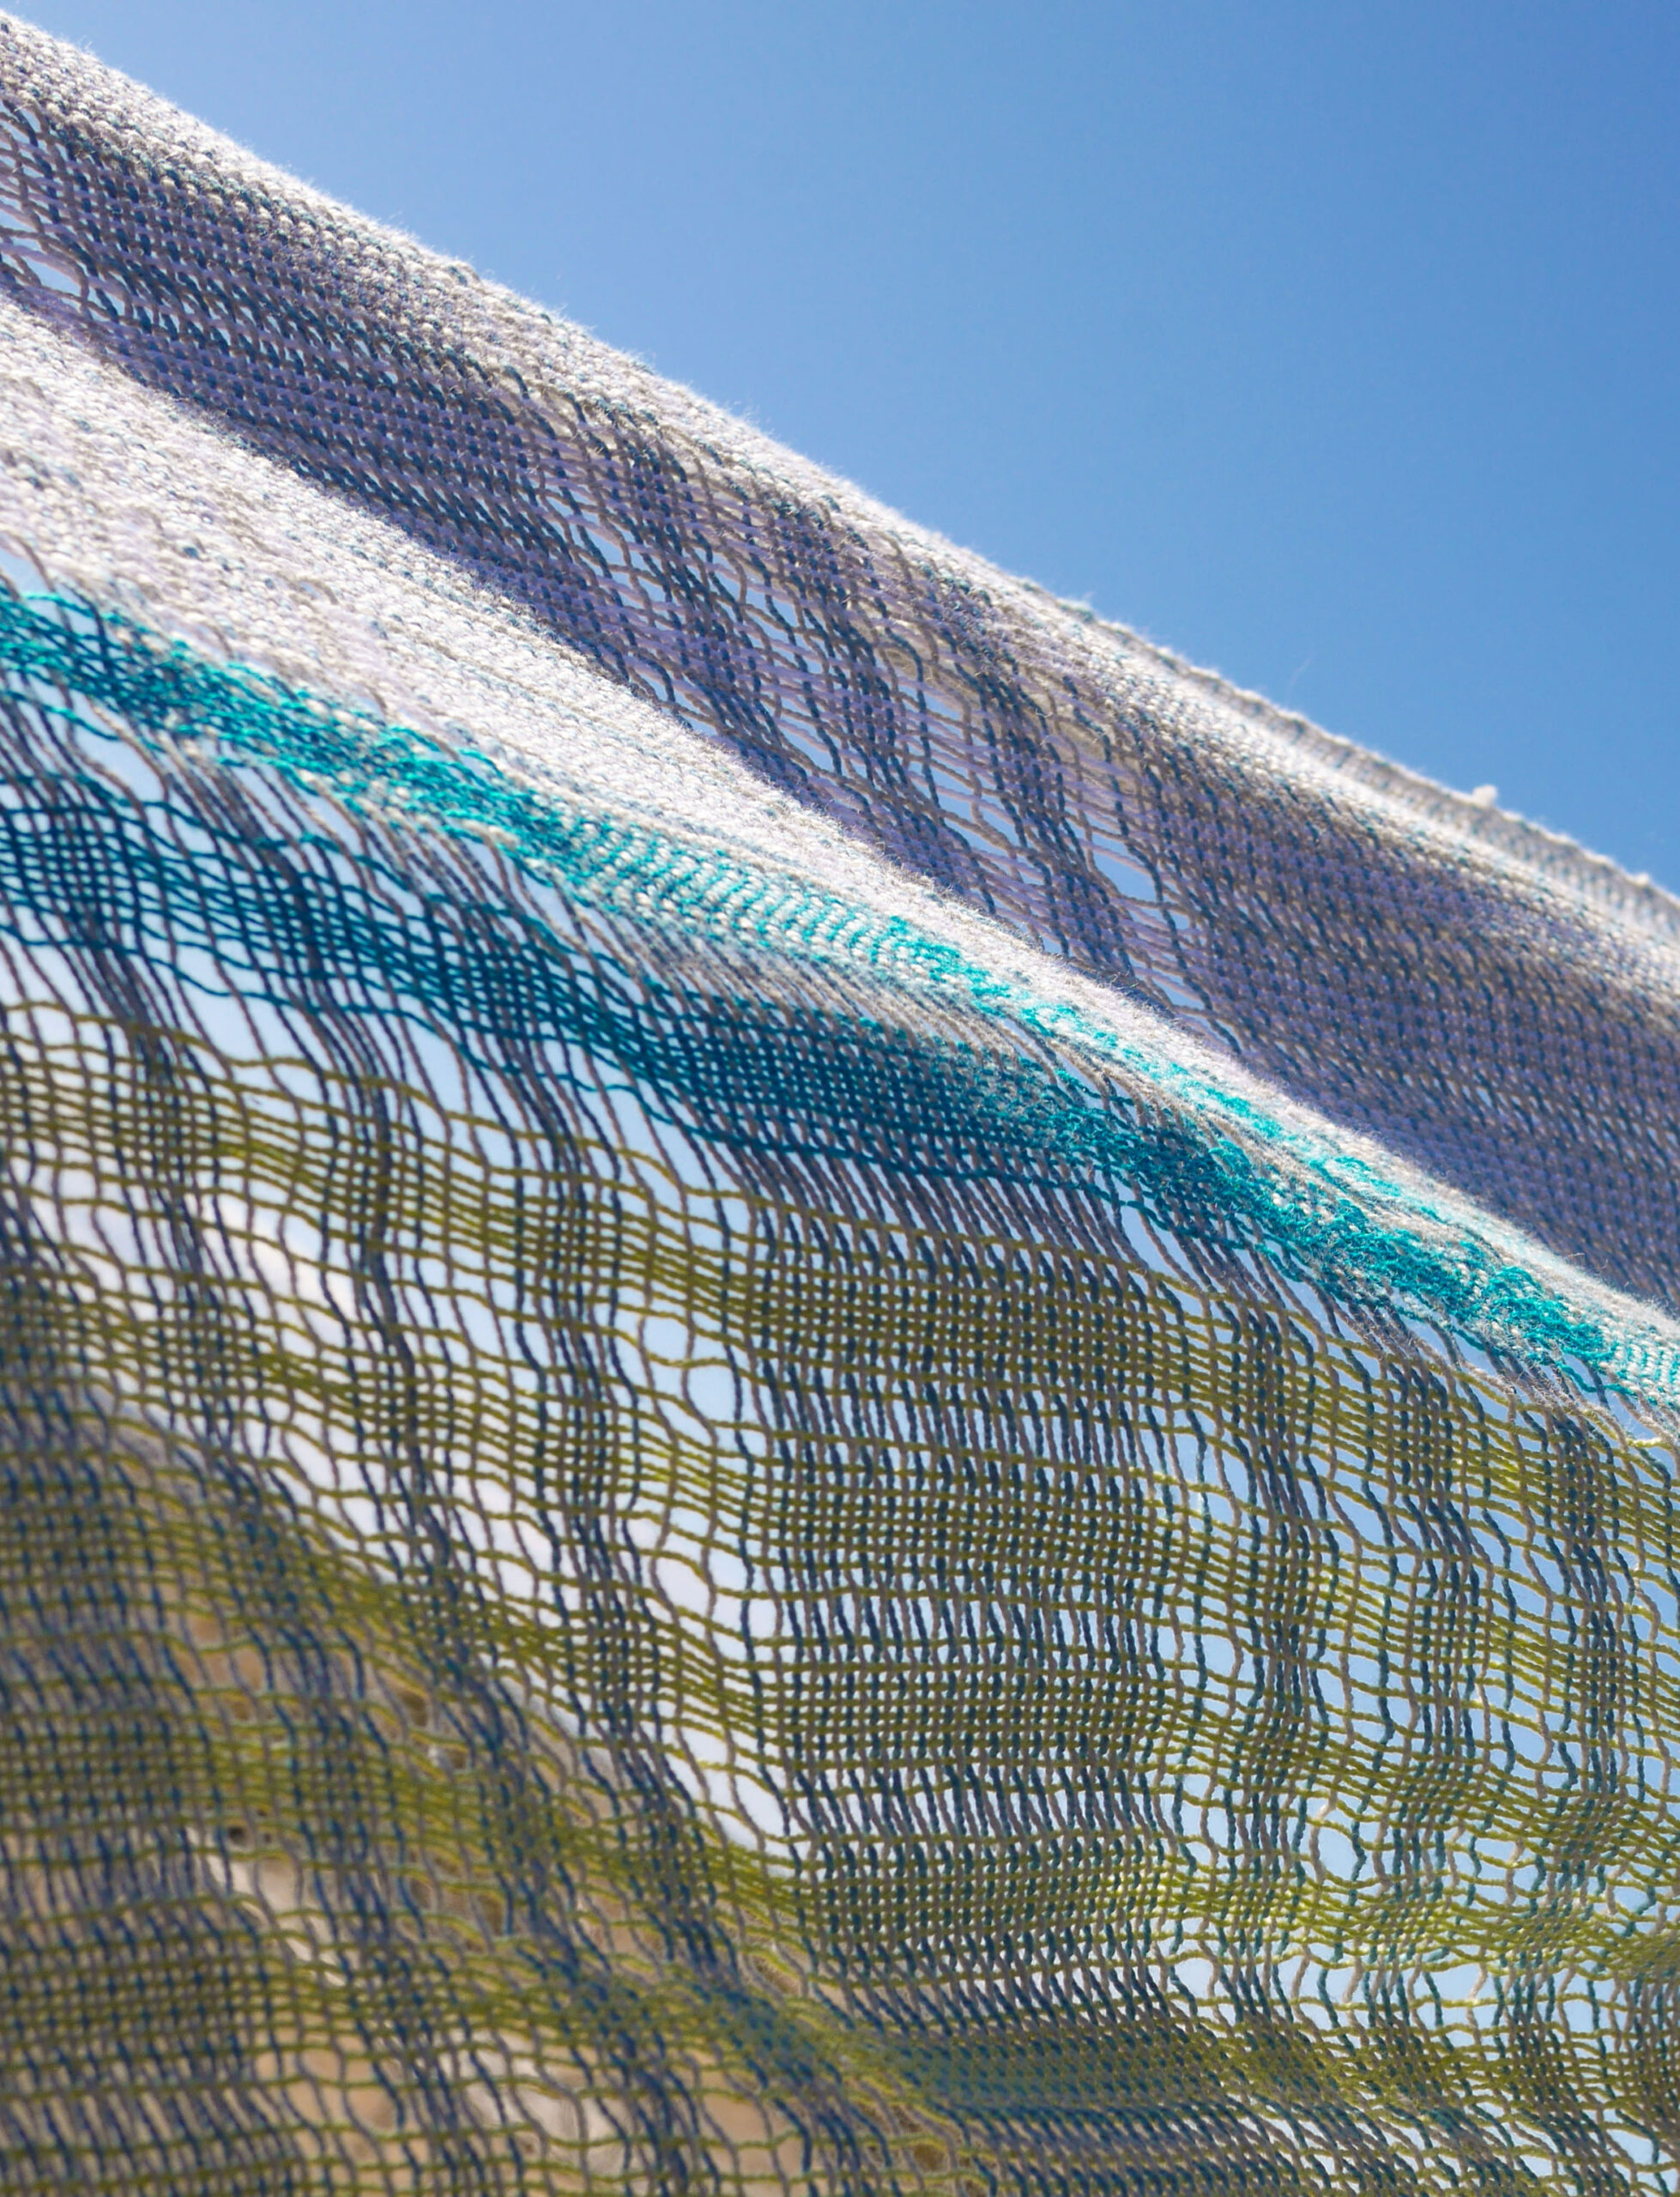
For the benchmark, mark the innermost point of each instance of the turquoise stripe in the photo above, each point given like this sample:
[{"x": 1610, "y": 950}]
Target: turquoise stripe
[{"x": 1331, "y": 1216}]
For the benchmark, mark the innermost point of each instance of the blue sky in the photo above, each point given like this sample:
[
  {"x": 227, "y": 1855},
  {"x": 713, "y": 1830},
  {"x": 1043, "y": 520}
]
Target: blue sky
[{"x": 1337, "y": 346}]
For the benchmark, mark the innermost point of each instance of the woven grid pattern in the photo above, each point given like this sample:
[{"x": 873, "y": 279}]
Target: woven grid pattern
[
  {"x": 974, "y": 733},
  {"x": 657, "y": 1534}
]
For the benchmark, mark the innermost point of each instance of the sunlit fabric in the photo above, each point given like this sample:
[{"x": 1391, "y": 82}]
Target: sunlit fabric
[{"x": 810, "y": 1381}]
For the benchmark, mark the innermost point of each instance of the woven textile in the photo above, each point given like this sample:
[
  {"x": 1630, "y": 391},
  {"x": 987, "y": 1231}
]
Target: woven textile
[{"x": 807, "y": 1381}]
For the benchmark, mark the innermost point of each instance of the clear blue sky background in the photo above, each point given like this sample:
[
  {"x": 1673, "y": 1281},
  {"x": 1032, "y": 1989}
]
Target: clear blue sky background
[{"x": 1337, "y": 346}]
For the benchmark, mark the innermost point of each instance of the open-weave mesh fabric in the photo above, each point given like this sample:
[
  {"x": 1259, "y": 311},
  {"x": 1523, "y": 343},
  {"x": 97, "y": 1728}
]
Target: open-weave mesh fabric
[
  {"x": 1078, "y": 787},
  {"x": 737, "y": 1449}
]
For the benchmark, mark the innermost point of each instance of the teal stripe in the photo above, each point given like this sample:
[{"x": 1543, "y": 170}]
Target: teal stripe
[{"x": 1330, "y": 1215}]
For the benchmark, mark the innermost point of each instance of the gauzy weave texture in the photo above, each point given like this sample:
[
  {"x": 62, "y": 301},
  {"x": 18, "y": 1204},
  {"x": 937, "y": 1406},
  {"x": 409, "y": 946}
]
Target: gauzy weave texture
[{"x": 808, "y": 1381}]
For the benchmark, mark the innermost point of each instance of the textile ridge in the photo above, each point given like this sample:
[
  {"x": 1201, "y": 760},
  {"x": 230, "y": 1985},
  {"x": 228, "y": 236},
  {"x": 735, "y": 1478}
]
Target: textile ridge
[{"x": 810, "y": 1381}]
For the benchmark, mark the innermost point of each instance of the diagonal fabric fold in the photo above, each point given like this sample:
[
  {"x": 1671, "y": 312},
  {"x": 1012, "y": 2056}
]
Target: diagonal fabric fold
[{"x": 809, "y": 1381}]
